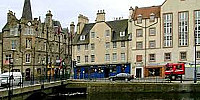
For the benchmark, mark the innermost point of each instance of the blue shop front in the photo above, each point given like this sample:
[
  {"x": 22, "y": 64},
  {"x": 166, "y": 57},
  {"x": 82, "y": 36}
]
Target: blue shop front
[{"x": 100, "y": 71}]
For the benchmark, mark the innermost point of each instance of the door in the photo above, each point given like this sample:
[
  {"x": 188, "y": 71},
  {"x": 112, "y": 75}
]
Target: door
[{"x": 138, "y": 72}]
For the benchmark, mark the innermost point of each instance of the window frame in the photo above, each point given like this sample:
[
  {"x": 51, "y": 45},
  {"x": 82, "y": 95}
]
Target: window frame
[
  {"x": 138, "y": 31},
  {"x": 166, "y": 56}
]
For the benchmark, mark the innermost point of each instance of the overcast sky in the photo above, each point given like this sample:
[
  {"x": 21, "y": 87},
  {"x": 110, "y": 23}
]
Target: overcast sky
[{"x": 67, "y": 11}]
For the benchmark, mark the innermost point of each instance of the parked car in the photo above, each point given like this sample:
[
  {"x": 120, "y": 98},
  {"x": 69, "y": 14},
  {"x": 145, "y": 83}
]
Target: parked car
[
  {"x": 121, "y": 76},
  {"x": 15, "y": 78}
]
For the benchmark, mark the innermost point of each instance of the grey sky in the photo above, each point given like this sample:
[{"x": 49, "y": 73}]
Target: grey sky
[{"x": 67, "y": 11}]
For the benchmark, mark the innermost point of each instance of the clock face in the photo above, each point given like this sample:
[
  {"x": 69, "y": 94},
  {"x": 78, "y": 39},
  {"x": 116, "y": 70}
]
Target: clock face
[{"x": 29, "y": 23}]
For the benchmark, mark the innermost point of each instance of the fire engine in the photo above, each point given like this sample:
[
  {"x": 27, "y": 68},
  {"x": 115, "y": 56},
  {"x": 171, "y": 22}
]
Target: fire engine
[{"x": 174, "y": 71}]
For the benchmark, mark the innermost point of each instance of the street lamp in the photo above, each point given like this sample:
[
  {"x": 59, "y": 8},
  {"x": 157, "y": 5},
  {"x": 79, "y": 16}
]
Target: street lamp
[
  {"x": 195, "y": 56},
  {"x": 11, "y": 60}
]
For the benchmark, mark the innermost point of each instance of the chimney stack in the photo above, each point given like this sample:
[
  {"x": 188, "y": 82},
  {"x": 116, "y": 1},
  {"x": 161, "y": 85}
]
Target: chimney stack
[
  {"x": 100, "y": 16},
  {"x": 82, "y": 20}
]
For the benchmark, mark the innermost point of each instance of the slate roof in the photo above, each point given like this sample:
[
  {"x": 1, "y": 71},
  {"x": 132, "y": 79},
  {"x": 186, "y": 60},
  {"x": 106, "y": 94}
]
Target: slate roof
[
  {"x": 116, "y": 26},
  {"x": 86, "y": 32},
  {"x": 27, "y": 13},
  {"x": 146, "y": 12}
]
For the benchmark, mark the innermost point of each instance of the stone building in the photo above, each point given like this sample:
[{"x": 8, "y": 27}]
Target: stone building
[
  {"x": 36, "y": 47},
  {"x": 164, "y": 34},
  {"x": 101, "y": 49}
]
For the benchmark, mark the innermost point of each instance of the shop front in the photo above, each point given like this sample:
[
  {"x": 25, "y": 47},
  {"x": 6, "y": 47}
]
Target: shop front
[
  {"x": 155, "y": 71},
  {"x": 100, "y": 71}
]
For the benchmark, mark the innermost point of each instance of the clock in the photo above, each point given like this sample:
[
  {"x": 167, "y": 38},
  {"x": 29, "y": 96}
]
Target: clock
[{"x": 29, "y": 23}]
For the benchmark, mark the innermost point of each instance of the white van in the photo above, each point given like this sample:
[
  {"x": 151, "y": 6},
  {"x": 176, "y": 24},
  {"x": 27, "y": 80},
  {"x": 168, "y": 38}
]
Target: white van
[{"x": 14, "y": 79}]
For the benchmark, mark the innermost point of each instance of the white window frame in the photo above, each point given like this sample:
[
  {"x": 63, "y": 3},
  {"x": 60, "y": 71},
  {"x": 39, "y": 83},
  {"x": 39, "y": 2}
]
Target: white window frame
[
  {"x": 78, "y": 59},
  {"x": 92, "y": 46},
  {"x": 152, "y": 44},
  {"x": 114, "y": 44},
  {"x": 152, "y": 17},
  {"x": 92, "y": 58},
  {"x": 122, "y": 34},
  {"x": 139, "y": 32},
  {"x": 168, "y": 30},
  {"x": 13, "y": 44},
  {"x": 152, "y": 57},
  {"x": 114, "y": 57},
  {"x": 8, "y": 56},
  {"x": 139, "y": 19},
  {"x": 152, "y": 31},
  {"x": 123, "y": 55},
  {"x": 197, "y": 27},
  {"x": 107, "y": 45},
  {"x": 107, "y": 57},
  {"x": 93, "y": 34},
  {"x": 86, "y": 59},
  {"x": 183, "y": 28},
  {"x": 82, "y": 37},
  {"x": 28, "y": 58},
  {"x": 28, "y": 43}
]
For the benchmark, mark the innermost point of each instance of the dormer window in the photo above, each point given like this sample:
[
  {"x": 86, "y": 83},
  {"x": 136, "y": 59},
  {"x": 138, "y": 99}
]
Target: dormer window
[
  {"x": 82, "y": 37},
  {"x": 152, "y": 17},
  {"x": 139, "y": 19},
  {"x": 122, "y": 34}
]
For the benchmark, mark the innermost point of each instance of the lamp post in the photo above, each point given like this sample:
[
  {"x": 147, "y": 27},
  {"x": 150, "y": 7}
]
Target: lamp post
[
  {"x": 9, "y": 78},
  {"x": 195, "y": 56}
]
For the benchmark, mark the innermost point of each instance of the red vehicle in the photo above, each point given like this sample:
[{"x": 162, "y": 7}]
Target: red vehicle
[{"x": 174, "y": 71}]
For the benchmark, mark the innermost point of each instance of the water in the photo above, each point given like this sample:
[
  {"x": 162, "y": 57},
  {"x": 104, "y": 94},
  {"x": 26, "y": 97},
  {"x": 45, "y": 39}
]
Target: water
[{"x": 134, "y": 96}]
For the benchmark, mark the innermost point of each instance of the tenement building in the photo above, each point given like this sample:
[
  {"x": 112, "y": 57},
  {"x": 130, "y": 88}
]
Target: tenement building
[
  {"x": 36, "y": 48},
  {"x": 101, "y": 49},
  {"x": 164, "y": 34}
]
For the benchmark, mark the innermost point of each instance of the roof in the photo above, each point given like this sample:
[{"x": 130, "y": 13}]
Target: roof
[
  {"x": 56, "y": 23},
  {"x": 146, "y": 12},
  {"x": 118, "y": 26},
  {"x": 85, "y": 31},
  {"x": 27, "y": 13}
]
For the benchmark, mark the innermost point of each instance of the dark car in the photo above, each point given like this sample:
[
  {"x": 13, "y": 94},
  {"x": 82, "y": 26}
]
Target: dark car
[{"x": 121, "y": 76}]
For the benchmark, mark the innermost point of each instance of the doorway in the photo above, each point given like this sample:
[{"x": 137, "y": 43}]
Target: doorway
[{"x": 138, "y": 72}]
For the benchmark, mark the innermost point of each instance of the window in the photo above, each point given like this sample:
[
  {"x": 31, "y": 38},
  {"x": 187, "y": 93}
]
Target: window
[
  {"x": 152, "y": 57},
  {"x": 78, "y": 47},
  {"x": 107, "y": 57},
  {"x": 122, "y": 34},
  {"x": 152, "y": 17},
  {"x": 92, "y": 34},
  {"x": 8, "y": 57},
  {"x": 78, "y": 59},
  {"x": 107, "y": 33},
  {"x": 114, "y": 56},
  {"x": 152, "y": 44},
  {"x": 86, "y": 58},
  {"x": 107, "y": 45},
  {"x": 139, "y": 32},
  {"x": 13, "y": 44},
  {"x": 123, "y": 44},
  {"x": 167, "y": 56},
  {"x": 82, "y": 37},
  {"x": 86, "y": 47},
  {"x": 114, "y": 44},
  {"x": 183, "y": 29},
  {"x": 122, "y": 56},
  {"x": 198, "y": 54},
  {"x": 14, "y": 31},
  {"x": 29, "y": 31},
  {"x": 138, "y": 58},
  {"x": 92, "y": 58},
  {"x": 92, "y": 46},
  {"x": 28, "y": 58},
  {"x": 139, "y": 19},
  {"x": 152, "y": 31},
  {"x": 183, "y": 56},
  {"x": 167, "y": 30},
  {"x": 28, "y": 43},
  {"x": 139, "y": 45},
  {"x": 38, "y": 58},
  {"x": 197, "y": 27}
]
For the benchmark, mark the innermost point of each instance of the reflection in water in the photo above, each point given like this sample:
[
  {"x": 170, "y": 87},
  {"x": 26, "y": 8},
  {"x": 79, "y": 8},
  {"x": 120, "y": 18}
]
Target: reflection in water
[{"x": 138, "y": 96}]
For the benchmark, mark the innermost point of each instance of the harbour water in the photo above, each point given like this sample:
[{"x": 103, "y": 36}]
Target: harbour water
[{"x": 134, "y": 96}]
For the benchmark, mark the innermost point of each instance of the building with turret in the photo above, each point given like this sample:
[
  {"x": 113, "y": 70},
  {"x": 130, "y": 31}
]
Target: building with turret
[{"x": 38, "y": 48}]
